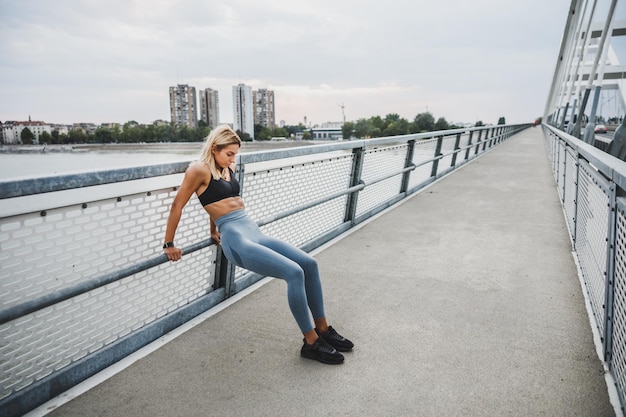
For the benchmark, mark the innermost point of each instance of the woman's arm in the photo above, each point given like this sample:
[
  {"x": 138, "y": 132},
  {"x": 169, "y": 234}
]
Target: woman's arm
[{"x": 192, "y": 180}]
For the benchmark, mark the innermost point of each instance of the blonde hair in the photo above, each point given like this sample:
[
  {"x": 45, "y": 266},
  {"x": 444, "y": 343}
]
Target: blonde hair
[{"x": 219, "y": 138}]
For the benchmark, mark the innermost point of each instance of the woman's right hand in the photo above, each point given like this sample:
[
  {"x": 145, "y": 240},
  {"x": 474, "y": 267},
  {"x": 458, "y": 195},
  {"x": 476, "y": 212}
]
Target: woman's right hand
[
  {"x": 173, "y": 253},
  {"x": 216, "y": 237}
]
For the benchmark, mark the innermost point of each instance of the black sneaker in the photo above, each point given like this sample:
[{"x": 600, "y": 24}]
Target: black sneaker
[
  {"x": 336, "y": 340},
  {"x": 321, "y": 352}
]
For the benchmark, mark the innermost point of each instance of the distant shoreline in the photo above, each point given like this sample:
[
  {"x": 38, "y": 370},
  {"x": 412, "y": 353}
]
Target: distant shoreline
[{"x": 186, "y": 147}]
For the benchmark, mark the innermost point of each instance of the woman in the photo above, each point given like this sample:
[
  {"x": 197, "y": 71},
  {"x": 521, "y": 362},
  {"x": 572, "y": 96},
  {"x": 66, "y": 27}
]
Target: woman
[{"x": 212, "y": 179}]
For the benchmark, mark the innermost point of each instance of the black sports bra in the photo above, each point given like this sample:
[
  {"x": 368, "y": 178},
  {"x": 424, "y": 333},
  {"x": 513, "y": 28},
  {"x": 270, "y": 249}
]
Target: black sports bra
[{"x": 220, "y": 189}]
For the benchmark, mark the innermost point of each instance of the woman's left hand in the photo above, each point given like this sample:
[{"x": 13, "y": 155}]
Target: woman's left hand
[
  {"x": 216, "y": 237},
  {"x": 173, "y": 253}
]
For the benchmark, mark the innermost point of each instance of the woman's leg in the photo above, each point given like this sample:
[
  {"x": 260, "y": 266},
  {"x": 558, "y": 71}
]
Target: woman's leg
[
  {"x": 265, "y": 261},
  {"x": 312, "y": 282}
]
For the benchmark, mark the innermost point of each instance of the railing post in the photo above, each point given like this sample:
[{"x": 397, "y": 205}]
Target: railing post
[
  {"x": 610, "y": 273},
  {"x": 469, "y": 143},
  {"x": 480, "y": 136},
  {"x": 358, "y": 155},
  {"x": 224, "y": 274},
  {"x": 408, "y": 161},
  {"x": 564, "y": 175},
  {"x": 576, "y": 199},
  {"x": 433, "y": 172},
  {"x": 487, "y": 139},
  {"x": 456, "y": 149}
]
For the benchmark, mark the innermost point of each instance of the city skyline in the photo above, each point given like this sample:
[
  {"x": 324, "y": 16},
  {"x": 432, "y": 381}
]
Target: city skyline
[{"x": 71, "y": 61}]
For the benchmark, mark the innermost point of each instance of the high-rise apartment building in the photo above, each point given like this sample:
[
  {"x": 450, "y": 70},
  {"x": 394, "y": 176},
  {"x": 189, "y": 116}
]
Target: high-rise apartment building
[
  {"x": 264, "y": 108},
  {"x": 183, "y": 106},
  {"x": 209, "y": 107},
  {"x": 243, "y": 109}
]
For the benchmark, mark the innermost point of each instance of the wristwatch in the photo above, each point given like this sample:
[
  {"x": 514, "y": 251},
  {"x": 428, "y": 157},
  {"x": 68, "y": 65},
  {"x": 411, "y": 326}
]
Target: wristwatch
[{"x": 168, "y": 245}]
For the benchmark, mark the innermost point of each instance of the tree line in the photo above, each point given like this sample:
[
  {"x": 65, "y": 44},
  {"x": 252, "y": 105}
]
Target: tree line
[
  {"x": 394, "y": 125},
  {"x": 132, "y": 132}
]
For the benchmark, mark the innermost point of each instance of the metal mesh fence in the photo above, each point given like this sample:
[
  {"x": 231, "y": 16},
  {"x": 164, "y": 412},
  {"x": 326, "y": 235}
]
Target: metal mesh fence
[
  {"x": 591, "y": 185},
  {"x": 591, "y": 229},
  {"x": 618, "y": 356},
  {"x": 569, "y": 191},
  {"x": 48, "y": 251},
  {"x": 376, "y": 163}
]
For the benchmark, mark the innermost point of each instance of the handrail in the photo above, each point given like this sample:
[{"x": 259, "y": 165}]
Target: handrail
[
  {"x": 30, "y": 186},
  {"x": 610, "y": 166},
  {"x": 66, "y": 293}
]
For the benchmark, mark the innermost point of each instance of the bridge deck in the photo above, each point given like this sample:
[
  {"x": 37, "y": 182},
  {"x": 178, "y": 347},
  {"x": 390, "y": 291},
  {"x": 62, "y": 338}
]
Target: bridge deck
[{"x": 462, "y": 301}]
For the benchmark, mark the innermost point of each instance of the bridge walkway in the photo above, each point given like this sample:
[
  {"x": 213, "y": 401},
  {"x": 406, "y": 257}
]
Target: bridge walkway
[{"x": 464, "y": 300}]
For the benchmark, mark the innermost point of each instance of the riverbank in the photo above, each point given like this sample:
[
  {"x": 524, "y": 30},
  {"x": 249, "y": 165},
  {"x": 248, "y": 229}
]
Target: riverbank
[{"x": 167, "y": 147}]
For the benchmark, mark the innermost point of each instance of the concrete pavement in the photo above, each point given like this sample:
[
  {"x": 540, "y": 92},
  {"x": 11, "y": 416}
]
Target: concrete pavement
[{"x": 463, "y": 300}]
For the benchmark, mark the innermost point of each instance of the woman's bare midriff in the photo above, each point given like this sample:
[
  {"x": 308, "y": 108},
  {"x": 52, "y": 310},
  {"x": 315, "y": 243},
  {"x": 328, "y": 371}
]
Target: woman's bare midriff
[{"x": 225, "y": 206}]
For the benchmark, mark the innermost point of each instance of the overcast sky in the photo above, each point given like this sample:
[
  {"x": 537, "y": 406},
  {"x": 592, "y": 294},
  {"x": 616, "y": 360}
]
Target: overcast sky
[{"x": 98, "y": 61}]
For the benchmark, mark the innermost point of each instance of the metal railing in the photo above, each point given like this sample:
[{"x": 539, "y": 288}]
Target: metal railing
[
  {"x": 592, "y": 188},
  {"x": 84, "y": 283}
]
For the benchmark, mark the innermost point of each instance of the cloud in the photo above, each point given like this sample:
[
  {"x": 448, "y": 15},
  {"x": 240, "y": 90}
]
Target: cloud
[{"x": 71, "y": 60}]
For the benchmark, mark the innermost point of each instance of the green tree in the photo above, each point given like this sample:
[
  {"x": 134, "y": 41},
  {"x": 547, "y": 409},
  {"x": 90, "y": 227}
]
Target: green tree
[
  {"x": 397, "y": 127},
  {"x": 279, "y": 132},
  {"x": 63, "y": 138},
  {"x": 424, "y": 122},
  {"x": 132, "y": 133},
  {"x": 203, "y": 132},
  {"x": 55, "y": 137},
  {"x": 244, "y": 136},
  {"x": 501, "y": 121},
  {"x": 27, "y": 136},
  {"x": 479, "y": 123},
  {"x": 442, "y": 124},
  {"x": 104, "y": 135},
  {"x": 151, "y": 134},
  {"x": 45, "y": 137},
  {"x": 378, "y": 125},
  {"x": 347, "y": 129},
  {"x": 262, "y": 133},
  {"x": 77, "y": 136},
  {"x": 362, "y": 129}
]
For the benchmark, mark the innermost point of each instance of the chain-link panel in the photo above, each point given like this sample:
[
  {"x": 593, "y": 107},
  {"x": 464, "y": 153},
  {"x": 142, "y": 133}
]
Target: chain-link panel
[
  {"x": 376, "y": 163},
  {"x": 48, "y": 251},
  {"x": 551, "y": 145},
  {"x": 45, "y": 251},
  {"x": 591, "y": 233},
  {"x": 556, "y": 152},
  {"x": 561, "y": 168},
  {"x": 423, "y": 151},
  {"x": 460, "y": 157},
  {"x": 447, "y": 147},
  {"x": 555, "y": 148},
  {"x": 569, "y": 193},
  {"x": 618, "y": 356},
  {"x": 38, "y": 344},
  {"x": 272, "y": 191}
]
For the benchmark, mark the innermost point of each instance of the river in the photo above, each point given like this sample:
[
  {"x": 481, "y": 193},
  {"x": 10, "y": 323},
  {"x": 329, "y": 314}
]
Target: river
[{"x": 21, "y": 162}]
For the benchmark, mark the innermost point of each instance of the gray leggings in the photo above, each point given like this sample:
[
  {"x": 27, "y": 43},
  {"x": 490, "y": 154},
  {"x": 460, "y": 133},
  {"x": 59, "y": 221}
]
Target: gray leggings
[{"x": 245, "y": 245}]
